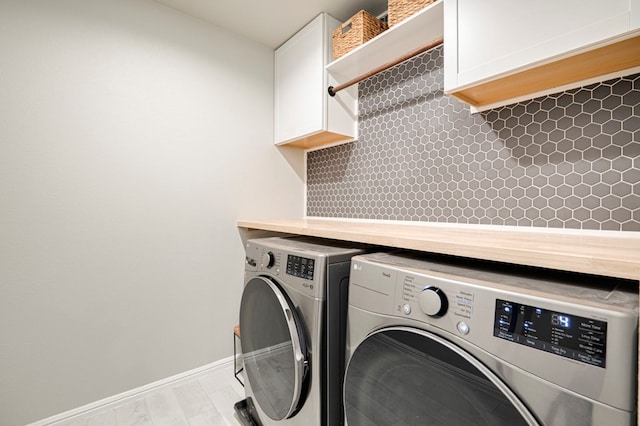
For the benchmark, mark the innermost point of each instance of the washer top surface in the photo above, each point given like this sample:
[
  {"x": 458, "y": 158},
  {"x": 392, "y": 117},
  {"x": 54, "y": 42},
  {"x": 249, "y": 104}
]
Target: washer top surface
[{"x": 309, "y": 245}]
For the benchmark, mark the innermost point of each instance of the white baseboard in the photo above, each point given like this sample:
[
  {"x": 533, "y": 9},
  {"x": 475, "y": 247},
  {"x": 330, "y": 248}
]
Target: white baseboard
[{"x": 130, "y": 394}]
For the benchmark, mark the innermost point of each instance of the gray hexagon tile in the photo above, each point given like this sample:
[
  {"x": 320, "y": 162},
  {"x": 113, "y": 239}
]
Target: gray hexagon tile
[{"x": 568, "y": 160}]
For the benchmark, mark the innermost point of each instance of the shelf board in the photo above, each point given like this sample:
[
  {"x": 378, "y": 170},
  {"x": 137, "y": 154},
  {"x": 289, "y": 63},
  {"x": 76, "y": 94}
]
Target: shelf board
[
  {"x": 615, "y": 254},
  {"x": 620, "y": 56},
  {"x": 415, "y": 31}
]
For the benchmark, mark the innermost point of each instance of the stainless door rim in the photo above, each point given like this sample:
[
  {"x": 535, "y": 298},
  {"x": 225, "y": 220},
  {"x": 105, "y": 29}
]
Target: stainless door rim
[
  {"x": 300, "y": 358},
  {"x": 508, "y": 393}
]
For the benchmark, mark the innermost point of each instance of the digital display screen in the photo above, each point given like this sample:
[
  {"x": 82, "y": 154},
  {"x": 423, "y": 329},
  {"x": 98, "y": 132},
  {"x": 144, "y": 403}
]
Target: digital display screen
[
  {"x": 300, "y": 267},
  {"x": 569, "y": 336}
]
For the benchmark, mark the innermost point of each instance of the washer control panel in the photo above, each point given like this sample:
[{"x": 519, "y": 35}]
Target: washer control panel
[
  {"x": 429, "y": 297},
  {"x": 570, "y": 336}
]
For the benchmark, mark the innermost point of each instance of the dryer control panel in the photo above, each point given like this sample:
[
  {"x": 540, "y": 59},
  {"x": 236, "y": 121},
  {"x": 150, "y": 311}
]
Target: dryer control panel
[
  {"x": 299, "y": 272},
  {"x": 304, "y": 265},
  {"x": 301, "y": 267}
]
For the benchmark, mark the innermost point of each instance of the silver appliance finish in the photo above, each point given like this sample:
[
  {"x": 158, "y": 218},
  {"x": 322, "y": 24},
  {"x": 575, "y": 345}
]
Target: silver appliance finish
[
  {"x": 315, "y": 314},
  {"x": 386, "y": 293}
]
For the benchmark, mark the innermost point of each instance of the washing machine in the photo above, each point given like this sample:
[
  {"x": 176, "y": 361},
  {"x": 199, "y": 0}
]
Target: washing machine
[
  {"x": 434, "y": 340},
  {"x": 292, "y": 328}
]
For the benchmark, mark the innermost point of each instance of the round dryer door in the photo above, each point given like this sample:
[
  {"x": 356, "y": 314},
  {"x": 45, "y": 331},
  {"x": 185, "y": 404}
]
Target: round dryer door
[
  {"x": 405, "y": 376},
  {"x": 273, "y": 348}
]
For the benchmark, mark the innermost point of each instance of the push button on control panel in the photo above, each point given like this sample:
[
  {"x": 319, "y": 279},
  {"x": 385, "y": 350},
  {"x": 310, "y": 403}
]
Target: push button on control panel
[
  {"x": 463, "y": 327},
  {"x": 300, "y": 267}
]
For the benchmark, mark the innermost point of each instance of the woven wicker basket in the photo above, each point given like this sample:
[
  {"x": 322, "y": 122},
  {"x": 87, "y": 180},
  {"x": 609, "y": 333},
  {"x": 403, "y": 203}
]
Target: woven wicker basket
[
  {"x": 361, "y": 28},
  {"x": 402, "y": 9}
]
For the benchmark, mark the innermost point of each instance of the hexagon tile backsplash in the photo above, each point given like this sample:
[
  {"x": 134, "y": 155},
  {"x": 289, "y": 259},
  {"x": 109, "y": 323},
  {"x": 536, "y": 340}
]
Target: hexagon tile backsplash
[{"x": 568, "y": 160}]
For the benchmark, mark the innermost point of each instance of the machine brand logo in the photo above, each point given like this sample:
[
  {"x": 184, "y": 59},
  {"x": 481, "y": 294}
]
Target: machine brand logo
[{"x": 386, "y": 274}]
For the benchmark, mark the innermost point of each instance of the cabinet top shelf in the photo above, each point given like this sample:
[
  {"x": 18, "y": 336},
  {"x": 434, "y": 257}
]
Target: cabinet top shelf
[{"x": 415, "y": 31}]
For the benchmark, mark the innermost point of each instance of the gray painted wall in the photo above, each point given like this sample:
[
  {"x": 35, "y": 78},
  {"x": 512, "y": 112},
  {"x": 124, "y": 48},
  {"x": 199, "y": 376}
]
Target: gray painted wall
[{"x": 125, "y": 161}]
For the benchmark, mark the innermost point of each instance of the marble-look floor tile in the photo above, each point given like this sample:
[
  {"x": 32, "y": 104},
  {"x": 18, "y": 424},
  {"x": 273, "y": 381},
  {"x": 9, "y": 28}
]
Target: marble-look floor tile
[{"x": 202, "y": 400}]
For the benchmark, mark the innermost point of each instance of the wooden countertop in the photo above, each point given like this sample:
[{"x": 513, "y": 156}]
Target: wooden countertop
[{"x": 609, "y": 253}]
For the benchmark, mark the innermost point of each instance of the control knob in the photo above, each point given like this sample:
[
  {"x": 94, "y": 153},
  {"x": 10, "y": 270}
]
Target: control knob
[
  {"x": 268, "y": 259},
  {"x": 433, "y": 301}
]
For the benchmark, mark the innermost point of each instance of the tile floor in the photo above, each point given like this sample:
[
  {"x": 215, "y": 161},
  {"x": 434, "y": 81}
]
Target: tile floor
[{"x": 205, "y": 399}]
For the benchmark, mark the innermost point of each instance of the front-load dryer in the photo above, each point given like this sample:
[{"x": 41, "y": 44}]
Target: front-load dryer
[
  {"x": 292, "y": 328},
  {"x": 443, "y": 341}
]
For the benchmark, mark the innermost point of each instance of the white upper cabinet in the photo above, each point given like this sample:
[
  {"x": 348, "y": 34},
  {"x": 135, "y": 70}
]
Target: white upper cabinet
[
  {"x": 305, "y": 116},
  {"x": 501, "y": 51},
  {"x": 406, "y": 36}
]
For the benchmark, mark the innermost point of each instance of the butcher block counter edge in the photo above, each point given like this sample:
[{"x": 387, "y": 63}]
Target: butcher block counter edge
[{"x": 609, "y": 253}]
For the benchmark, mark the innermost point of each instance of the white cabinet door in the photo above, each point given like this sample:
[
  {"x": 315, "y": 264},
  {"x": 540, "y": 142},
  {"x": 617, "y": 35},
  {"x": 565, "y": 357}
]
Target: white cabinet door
[
  {"x": 493, "y": 38},
  {"x": 305, "y": 115},
  {"x": 299, "y": 74}
]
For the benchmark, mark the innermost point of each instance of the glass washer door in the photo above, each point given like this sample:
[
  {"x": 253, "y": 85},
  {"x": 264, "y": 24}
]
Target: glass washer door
[
  {"x": 273, "y": 348},
  {"x": 405, "y": 376}
]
